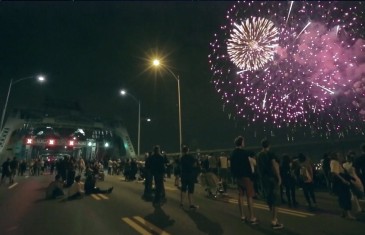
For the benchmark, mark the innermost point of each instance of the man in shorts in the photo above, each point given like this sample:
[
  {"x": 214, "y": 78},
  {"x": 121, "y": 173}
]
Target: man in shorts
[
  {"x": 188, "y": 176},
  {"x": 242, "y": 172},
  {"x": 268, "y": 169}
]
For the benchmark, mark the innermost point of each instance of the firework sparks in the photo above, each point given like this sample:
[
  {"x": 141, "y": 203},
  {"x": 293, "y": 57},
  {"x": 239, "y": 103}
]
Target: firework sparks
[
  {"x": 252, "y": 43},
  {"x": 292, "y": 63}
]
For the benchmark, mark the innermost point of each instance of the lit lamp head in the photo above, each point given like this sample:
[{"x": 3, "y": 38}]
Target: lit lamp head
[
  {"x": 41, "y": 78},
  {"x": 123, "y": 92},
  {"x": 156, "y": 62}
]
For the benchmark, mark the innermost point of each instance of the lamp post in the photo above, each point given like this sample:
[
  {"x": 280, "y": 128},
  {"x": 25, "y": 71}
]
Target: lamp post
[
  {"x": 12, "y": 82},
  {"x": 123, "y": 93},
  {"x": 156, "y": 63}
]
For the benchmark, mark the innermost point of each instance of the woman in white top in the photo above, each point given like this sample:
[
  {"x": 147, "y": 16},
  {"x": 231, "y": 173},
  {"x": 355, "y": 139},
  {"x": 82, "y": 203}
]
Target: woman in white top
[
  {"x": 341, "y": 186},
  {"x": 357, "y": 189}
]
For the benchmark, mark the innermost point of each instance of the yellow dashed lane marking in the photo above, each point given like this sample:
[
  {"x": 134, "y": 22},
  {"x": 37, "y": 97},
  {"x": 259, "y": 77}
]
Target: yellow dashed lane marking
[
  {"x": 103, "y": 196},
  {"x": 143, "y": 226},
  {"x": 135, "y": 226},
  {"x": 95, "y": 197},
  {"x": 280, "y": 210},
  {"x": 150, "y": 226}
]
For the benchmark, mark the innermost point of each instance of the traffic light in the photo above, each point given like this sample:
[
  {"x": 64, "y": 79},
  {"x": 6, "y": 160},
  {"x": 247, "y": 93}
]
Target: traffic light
[
  {"x": 71, "y": 143},
  {"x": 51, "y": 142}
]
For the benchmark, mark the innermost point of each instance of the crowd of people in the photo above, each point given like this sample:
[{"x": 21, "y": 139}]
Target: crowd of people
[{"x": 264, "y": 175}]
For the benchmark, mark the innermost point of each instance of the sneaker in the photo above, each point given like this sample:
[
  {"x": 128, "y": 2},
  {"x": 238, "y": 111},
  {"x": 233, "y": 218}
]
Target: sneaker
[
  {"x": 277, "y": 226},
  {"x": 254, "y": 221},
  {"x": 193, "y": 207}
]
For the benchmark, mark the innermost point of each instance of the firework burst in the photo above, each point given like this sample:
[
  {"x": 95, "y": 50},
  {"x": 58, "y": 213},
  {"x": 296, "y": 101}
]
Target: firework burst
[
  {"x": 292, "y": 63},
  {"x": 252, "y": 43}
]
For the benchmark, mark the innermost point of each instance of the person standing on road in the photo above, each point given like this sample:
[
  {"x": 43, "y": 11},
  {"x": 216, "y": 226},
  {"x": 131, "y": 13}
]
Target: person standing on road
[
  {"x": 341, "y": 186},
  {"x": 288, "y": 180},
  {"x": 157, "y": 169},
  {"x": 306, "y": 178},
  {"x": 188, "y": 176},
  {"x": 177, "y": 171},
  {"x": 359, "y": 165},
  {"x": 147, "y": 194},
  {"x": 223, "y": 170},
  {"x": 242, "y": 172},
  {"x": 14, "y": 165},
  {"x": 5, "y": 171},
  {"x": 268, "y": 169},
  {"x": 327, "y": 171},
  {"x": 357, "y": 188}
]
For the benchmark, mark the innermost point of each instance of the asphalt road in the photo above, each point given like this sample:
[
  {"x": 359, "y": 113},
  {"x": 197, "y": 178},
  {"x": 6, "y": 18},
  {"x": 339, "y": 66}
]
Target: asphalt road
[{"x": 25, "y": 212}]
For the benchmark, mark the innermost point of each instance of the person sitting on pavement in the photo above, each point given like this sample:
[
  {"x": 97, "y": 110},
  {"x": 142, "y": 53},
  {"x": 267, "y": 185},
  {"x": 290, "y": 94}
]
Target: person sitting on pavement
[
  {"x": 54, "y": 189},
  {"x": 75, "y": 191},
  {"x": 90, "y": 187}
]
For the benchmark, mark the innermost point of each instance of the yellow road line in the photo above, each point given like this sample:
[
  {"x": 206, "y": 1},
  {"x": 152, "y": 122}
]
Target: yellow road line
[
  {"x": 281, "y": 210},
  {"x": 298, "y": 212},
  {"x": 151, "y": 227},
  {"x": 95, "y": 197},
  {"x": 136, "y": 226},
  {"x": 292, "y": 213},
  {"x": 12, "y": 186},
  {"x": 170, "y": 188},
  {"x": 103, "y": 196}
]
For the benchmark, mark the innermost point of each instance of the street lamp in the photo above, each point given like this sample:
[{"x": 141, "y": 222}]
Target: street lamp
[
  {"x": 156, "y": 63},
  {"x": 123, "y": 93},
  {"x": 12, "y": 82}
]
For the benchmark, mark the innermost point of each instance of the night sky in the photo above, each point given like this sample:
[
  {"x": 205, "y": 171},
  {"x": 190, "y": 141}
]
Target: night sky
[{"x": 90, "y": 50}]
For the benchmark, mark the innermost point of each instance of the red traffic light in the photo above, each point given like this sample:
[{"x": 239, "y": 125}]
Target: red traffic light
[
  {"x": 51, "y": 142},
  {"x": 71, "y": 143},
  {"x": 29, "y": 141}
]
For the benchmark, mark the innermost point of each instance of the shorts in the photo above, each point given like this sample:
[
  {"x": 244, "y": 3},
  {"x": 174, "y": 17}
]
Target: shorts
[
  {"x": 187, "y": 185},
  {"x": 245, "y": 184},
  {"x": 272, "y": 191}
]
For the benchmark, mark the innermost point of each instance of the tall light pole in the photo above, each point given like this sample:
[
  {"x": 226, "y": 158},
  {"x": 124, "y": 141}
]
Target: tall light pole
[
  {"x": 156, "y": 63},
  {"x": 124, "y": 92},
  {"x": 12, "y": 82}
]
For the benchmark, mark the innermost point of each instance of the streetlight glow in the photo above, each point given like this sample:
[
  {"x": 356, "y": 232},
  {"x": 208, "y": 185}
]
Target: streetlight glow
[
  {"x": 156, "y": 62},
  {"x": 13, "y": 82},
  {"x": 123, "y": 93},
  {"x": 41, "y": 78}
]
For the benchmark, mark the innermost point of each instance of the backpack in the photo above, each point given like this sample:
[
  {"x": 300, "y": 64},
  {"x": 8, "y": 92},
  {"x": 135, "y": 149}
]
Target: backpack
[{"x": 304, "y": 175}]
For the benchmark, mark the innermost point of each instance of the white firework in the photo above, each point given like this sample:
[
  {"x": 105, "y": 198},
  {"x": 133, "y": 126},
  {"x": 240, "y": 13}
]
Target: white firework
[{"x": 252, "y": 43}]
